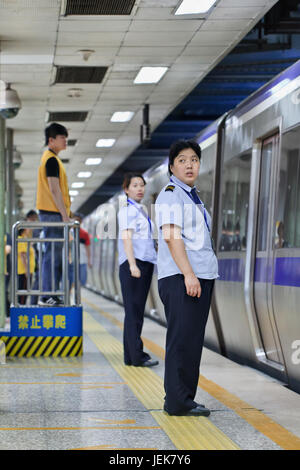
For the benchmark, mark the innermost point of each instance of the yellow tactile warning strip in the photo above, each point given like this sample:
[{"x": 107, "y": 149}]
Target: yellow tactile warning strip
[
  {"x": 187, "y": 433},
  {"x": 265, "y": 425},
  {"x": 41, "y": 346}
]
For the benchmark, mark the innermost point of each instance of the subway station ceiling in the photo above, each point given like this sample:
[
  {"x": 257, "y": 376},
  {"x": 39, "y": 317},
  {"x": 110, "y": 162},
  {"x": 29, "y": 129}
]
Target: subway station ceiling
[{"x": 43, "y": 46}]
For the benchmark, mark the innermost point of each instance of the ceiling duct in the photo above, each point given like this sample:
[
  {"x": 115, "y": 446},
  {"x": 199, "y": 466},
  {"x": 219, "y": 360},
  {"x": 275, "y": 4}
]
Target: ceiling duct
[
  {"x": 72, "y": 142},
  {"x": 79, "y": 74},
  {"x": 70, "y": 116},
  {"x": 99, "y": 7}
]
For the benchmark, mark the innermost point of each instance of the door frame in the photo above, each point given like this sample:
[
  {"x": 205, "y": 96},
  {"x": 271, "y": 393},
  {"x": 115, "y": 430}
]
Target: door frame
[{"x": 272, "y": 128}]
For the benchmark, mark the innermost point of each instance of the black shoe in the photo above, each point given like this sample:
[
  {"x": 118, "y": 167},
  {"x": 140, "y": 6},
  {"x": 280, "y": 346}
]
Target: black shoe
[
  {"x": 51, "y": 302},
  {"x": 199, "y": 410},
  {"x": 149, "y": 363},
  {"x": 58, "y": 300}
]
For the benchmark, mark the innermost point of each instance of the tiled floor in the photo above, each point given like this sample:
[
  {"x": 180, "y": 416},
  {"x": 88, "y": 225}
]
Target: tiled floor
[{"x": 94, "y": 401}]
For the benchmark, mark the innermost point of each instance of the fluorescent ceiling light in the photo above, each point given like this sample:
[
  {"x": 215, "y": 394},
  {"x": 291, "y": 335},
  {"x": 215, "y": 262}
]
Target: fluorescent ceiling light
[
  {"x": 105, "y": 142},
  {"x": 73, "y": 193},
  {"x": 150, "y": 74},
  {"x": 122, "y": 116},
  {"x": 78, "y": 185},
  {"x": 93, "y": 161},
  {"x": 84, "y": 174},
  {"x": 193, "y": 7}
]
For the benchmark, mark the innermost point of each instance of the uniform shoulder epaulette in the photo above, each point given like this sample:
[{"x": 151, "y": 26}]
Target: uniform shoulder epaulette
[{"x": 170, "y": 187}]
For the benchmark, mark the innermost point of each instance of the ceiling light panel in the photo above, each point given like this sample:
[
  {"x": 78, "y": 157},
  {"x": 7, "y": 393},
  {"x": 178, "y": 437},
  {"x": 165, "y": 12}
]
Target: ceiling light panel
[
  {"x": 105, "y": 142},
  {"x": 84, "y": 174},
  {"x": 122, "y": 116},
  {"x": 150, "y": 75},
  {"x": 194, "y": 7},
  {"x": 78, "y": 184},
  {"x": 93, "y": 161}
]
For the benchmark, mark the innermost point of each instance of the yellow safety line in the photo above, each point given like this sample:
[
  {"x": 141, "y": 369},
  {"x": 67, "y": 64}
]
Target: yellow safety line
[
  {"x": 265, "y": 425},
  {"x": 185, "y": 432}
]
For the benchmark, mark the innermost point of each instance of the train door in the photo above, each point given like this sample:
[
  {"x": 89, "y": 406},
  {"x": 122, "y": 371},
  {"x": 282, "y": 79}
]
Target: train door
[{"x": 264, "y": 251}]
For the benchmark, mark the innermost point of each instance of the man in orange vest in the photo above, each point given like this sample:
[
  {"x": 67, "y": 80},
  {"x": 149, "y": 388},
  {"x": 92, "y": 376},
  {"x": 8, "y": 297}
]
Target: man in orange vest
[{"x": 53, "y": 203}]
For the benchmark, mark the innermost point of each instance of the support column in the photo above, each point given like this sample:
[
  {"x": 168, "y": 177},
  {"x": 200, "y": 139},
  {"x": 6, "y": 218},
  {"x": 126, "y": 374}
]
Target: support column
[
  {"x": 10, "y": 186},
  {"x": 2, "y": 221}
]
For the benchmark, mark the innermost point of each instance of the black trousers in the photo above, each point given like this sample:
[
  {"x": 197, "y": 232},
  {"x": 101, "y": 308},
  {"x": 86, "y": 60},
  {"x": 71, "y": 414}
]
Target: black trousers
[
  {"x": 135, "y": 292},
  {"x": 186, "y": 321}
]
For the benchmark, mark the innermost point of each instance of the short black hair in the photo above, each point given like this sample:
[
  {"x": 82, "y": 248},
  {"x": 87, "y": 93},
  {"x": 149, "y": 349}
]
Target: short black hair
[
  {"x": 53, "y": 130},
  {"x": 128, "y": 177},
  {"x": 79, "y": 215},
  {"x": 31, "y": 213},
  {"x": 180, "y": 145}
]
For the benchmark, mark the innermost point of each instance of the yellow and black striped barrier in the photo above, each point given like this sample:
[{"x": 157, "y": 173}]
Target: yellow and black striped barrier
[
  {"x": 41, "y": 346},
  {"x": 44, "y": 332}
]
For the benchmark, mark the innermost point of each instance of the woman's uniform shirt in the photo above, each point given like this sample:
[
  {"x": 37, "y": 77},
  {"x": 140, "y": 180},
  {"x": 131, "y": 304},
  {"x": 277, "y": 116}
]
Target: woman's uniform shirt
[
  {"x": 132, "y": 217},
  {"x": 175, "y": 206}
]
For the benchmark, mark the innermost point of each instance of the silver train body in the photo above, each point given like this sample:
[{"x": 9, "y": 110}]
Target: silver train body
[{"x": 250, "y": 182}]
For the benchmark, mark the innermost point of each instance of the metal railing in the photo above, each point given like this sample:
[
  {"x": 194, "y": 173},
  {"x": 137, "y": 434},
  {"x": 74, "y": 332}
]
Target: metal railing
[{"x": 65, "y": 240}]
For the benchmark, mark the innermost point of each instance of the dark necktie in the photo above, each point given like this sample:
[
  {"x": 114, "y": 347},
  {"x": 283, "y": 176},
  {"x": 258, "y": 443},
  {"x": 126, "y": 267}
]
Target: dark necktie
[{"x": 195, "y": 196}]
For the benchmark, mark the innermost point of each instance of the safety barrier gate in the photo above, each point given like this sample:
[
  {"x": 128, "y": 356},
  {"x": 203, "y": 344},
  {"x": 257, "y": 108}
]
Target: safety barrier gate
[{"x": 45, "y": 331}]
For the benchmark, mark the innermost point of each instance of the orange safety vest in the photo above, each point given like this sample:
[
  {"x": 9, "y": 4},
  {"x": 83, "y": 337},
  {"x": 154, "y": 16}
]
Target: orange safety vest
[{"x": 44, "y": 200}]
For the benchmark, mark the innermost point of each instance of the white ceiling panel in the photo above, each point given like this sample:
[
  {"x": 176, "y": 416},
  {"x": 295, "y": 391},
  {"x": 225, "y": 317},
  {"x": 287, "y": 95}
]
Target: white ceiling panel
[
  {"x": 213, "y": 38},
  {"x": 90, "y": 39},
  {"x": 35, "y": 36},
  {"x": 93, "y": 25},
  {"x": 168, "y": 38},
  {"x": 165, "y": 25},
  {"x": 230, "y": 25},
  {"x": 155, "y": 51},
  {"x": 239, "y": 12}
]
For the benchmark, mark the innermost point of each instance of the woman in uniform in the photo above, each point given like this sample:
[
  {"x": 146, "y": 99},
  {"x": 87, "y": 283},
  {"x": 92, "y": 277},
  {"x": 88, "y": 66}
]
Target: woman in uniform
[
  {"x": 187, "y": 267},
  {"x": 137, "y": 257}
]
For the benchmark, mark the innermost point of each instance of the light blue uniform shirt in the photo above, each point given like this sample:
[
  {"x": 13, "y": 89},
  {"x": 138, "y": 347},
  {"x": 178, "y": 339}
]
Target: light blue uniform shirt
[
  {"x": 174, "y": 206},
  {"x": 131, "y": 217}
]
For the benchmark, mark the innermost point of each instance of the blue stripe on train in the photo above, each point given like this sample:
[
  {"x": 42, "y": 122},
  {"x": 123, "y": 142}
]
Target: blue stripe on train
[{"x": 287, "y": 271}]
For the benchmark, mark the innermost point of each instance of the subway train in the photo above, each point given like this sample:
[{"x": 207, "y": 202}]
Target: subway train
[{"x": 250, "y": 182}]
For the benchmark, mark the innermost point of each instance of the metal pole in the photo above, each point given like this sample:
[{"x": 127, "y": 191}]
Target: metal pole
[
  {"x": 10, "y": 187},
  {"x": 66, "y": 267},
  {"x": 14, "y": 264},
  {"x": 76, "y": 264},
  {"x": 2, "y": 222}
]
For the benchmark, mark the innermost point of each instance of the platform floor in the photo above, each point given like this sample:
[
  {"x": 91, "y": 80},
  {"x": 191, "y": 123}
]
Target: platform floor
[{"x": 96, "y": 402}]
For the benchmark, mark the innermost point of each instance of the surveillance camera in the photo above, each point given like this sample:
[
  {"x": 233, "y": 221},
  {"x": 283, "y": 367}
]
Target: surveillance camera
[
  {"x": 10, "y": 103},
  {"x": 17, "y": 159}
]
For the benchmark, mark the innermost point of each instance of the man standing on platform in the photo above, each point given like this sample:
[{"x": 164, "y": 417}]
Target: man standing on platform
[{"x": 53, "y": 203}]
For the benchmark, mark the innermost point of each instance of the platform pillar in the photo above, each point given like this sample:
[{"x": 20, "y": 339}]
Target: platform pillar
[{"x": 2, "y": 221}]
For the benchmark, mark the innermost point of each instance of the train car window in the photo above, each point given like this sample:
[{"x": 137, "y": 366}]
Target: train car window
[
  {"x": 205, "y": 185},
  {"x": 235, "y": 202},
  {"x": 205, "y": 179},
  {"x": 287, "y": 217},
  {"x": 264, "y": 196}
]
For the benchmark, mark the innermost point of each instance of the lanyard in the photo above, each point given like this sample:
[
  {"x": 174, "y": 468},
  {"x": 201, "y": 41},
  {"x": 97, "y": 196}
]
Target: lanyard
[
  {"x": 142, "y": 212},
  {"x": 197, "y": 203}
]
